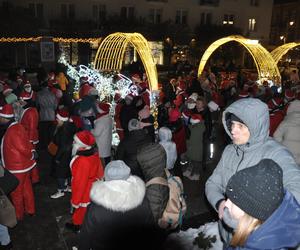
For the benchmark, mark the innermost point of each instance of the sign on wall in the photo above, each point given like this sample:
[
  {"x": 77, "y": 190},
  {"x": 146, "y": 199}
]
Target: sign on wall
[{"x": 47, "y": 52}]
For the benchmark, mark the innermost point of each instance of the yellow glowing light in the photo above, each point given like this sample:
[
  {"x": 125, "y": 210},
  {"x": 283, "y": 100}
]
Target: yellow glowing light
[
  {"x": 54, "y": 39},
  {"x": 280, "y": 51},
  {"x": 265, "y": 64},
  {"x": 112, "y": 49}
]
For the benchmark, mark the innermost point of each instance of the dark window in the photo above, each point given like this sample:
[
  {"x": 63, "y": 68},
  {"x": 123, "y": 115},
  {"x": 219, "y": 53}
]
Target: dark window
[
  {"x": 63, "y": 11},
  {"x": 102, "y": 12},
  {"x": 164, "y": 1},
  {"x": 209, "y": 2},
  {"x": 31, "y": 7},
  {"x": 254, "y": 2},
  {"x": 39, "y": 10},
  {"x": 208, "y": 18},
  {"x": 72, "y": 11},
  {"x": 127, "y": 12},
  {"x": 181, "y": 17}
]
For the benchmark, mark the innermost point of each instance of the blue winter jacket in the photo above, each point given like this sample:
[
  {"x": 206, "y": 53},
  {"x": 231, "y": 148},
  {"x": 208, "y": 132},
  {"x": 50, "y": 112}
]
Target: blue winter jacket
[{"x": 280, "y": 231}]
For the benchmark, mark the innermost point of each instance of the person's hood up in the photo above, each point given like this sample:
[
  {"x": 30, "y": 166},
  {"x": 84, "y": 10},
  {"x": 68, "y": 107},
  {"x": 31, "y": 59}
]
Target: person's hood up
[
  {"x": 119, "y": 195},
  {"x": 294, "y": 106},
  {"x": 254, "y": 114},
  {"x": 165, "y": 134},
  {"x": 153, "y": 160},
  {"x": 281, "y": 230}
]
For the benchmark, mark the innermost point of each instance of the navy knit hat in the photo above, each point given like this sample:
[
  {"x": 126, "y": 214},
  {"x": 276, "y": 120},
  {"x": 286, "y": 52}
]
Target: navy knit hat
[{"x": 257, "y": 190}]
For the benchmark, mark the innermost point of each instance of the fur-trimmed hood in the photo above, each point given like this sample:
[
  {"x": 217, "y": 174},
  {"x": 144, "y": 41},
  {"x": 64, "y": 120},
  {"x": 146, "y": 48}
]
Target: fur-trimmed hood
[{"x": 119, "y": 195}]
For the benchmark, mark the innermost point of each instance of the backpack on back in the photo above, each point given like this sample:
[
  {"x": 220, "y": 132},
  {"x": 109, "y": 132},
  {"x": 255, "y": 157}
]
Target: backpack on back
[{"x": 176, "y": 207}]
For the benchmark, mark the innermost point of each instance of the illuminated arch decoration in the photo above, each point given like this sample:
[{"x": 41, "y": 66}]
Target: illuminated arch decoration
[
  {"x": 280, "y": 51},
  {"x": 265, "y": 64},
  {"x": 111, "y": 51}
]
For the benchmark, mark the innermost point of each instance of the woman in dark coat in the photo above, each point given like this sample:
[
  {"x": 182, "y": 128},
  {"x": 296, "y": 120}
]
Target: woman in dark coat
[
  {"x": 128, "y": 147},
  {"x": 152, "y": 159},
  {"x": 119, "y": 216},
  {"x": 63, "y": 138}
]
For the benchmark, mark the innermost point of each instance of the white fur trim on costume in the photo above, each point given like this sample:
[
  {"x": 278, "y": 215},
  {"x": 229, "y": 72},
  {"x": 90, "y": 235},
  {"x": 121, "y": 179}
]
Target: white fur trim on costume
[
  {"x": 83, "y": 204},
  {"x": 119, "y": 195},
  {"x": 64, "y": 119}
]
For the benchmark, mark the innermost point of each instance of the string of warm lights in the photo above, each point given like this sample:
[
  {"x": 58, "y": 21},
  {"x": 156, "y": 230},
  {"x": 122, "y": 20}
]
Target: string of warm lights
[
  {"x": 19, "y": 39},
  {"x": 54, "y": 39}
]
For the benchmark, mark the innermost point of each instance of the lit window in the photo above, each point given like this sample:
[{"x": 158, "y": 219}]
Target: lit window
[
  {"x": 252, "y": 24},
  {"x": 228, "y": 19}
]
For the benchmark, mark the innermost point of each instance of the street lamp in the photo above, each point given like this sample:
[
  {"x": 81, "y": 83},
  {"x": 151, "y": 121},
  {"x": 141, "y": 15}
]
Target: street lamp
[{"x": 282, "y": 38}]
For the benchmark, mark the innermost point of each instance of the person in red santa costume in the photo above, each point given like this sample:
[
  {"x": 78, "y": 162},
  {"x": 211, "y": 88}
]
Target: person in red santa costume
[
  {"x": 18, "y": 157},
  {"x": 27, "y": 93},
  {"x": 85, "y": 87},
  {"x": 30, "y": 120},
  {"x": 86, "y": 168}
]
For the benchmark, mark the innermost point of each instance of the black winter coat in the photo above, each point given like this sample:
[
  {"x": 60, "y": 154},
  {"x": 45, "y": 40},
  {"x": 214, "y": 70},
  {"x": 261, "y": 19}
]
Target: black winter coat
[
  {"x": 152, "y": 159},
  {"x": 63, "y": 138},
  {"x": 128, "y": 148},
  {"x": 119, "y": 217}
]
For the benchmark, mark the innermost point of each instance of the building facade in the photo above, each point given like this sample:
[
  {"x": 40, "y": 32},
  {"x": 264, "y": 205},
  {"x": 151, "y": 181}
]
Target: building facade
[
  {"x": 157, "y": 20},
  {"x": 285, "y": 25}
]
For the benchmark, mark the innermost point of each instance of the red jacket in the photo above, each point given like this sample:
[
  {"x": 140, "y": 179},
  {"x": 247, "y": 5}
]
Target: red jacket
[
  {"x": 117, "y": 119},
  {"x": 30, "y": 120},
  {"x": 179, "y": 138},
  {"x": 84, "y": 90},
  {"x": 16, "y": 150},
  {"x": 275, "y": 119},
  {"x": 85, "y": 171}
]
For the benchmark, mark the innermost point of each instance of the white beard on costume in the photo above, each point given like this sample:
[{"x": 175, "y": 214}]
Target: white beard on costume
[
  {"x": 75, "y": 148},
  {"x": 28, "y": 89}
]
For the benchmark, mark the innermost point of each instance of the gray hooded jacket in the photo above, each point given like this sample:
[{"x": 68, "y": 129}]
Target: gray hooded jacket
[{"x": 255, "y": 116}]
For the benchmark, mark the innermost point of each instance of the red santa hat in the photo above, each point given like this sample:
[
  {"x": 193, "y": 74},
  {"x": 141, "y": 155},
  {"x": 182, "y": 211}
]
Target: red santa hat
[
  {"x": 7, "y": 89},
  {"x": 84, "y": 139},
  {"x": 62, "y": 115},
  {"x": 289, "y": 94},
  {"x": 243, "y": 94},
  {"x": 174, "y": 115},
  {"x": 103, "y": 108},
  {"x": 173, "y": 81},
  {"x": 7, "y": 111},
  {"x": 83, "y": 79},
  {"x": 196, "y": 118}
]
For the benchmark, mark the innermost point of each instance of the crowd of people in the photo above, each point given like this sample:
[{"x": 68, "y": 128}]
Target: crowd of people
[{"x": 256, "y": 181}]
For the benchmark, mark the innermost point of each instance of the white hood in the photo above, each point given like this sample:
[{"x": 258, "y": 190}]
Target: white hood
[{"x": 119, "y": 195}]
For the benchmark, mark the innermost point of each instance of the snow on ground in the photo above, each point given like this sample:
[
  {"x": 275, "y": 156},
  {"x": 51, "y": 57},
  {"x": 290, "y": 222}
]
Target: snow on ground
[{"x": 187, "y": 237}]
